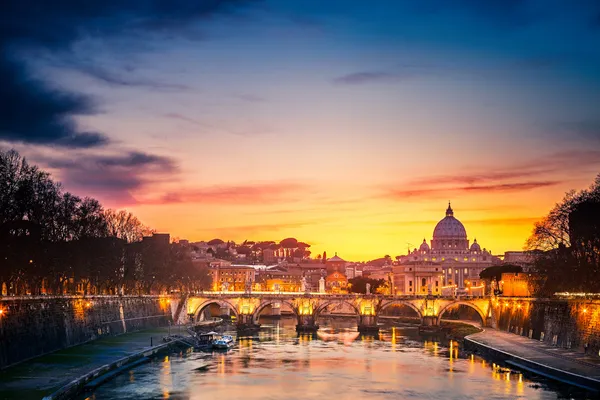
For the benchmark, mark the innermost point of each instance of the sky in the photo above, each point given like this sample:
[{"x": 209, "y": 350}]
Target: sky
[{"x": 346, "y": 124}]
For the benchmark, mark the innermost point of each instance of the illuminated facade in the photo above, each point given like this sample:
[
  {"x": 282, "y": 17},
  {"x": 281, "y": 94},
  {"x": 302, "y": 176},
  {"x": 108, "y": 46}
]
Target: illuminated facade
[
  {"x": 459, "y": 262},
  {"x": 515, "y": 284},
  {"x": 232, "y": 278}
]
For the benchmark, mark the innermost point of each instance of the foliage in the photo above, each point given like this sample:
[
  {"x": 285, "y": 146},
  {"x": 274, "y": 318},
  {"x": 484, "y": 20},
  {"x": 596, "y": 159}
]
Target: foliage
[
  {"x": 289, "y": 243},
  {"x": 565, "y": 245},
  {"x": 54, "y": 242},
  {"x": 496, "y": 271}
]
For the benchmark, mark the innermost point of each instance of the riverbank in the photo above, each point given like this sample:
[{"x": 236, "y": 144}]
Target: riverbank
[
  {"x": 42, "y": 376},
  {"x": 563, "y": 365},
  {"x": 457, "y": 330}
]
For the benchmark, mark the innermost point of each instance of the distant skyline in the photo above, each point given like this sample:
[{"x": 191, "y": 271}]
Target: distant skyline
[{"x": 345, "y": 124}]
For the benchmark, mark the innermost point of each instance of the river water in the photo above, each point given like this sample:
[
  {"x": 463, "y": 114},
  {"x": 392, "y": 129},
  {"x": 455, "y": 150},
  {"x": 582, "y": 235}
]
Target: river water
[{"x": 336, "y": 363}]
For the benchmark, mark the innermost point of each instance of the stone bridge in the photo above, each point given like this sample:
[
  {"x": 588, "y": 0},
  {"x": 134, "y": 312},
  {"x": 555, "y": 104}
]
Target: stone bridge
[{"x": 247, "y": 307}]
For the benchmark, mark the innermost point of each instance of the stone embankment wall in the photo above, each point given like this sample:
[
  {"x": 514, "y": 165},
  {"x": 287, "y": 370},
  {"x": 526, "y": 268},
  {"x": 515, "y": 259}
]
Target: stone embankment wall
[
  {"x": 32, "y": 326},
  {"x": 561, "y": 323}
]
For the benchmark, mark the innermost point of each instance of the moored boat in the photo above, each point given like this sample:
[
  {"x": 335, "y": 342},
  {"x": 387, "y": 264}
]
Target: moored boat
[{"x": 223, "y": 343}]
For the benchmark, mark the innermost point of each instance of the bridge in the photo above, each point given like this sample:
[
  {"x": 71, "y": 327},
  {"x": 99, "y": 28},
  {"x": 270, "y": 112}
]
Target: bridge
[{"x": 308, "y": 307}]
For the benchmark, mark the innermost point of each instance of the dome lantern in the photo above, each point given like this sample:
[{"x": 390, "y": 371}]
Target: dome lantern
[{"x": 449, "y": 211}]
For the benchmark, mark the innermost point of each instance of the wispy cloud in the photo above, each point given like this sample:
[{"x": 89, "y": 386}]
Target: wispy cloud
[
  {"x": 537, "y": 173},
  {"x": 114, "y": 78},
  {"x": 115, "y": 178},
  {"x": 359, "y": 78},
  {"x": 445, "y": 192},
  {"x": 184, "y": 118},
  {"x": 258, "y": 193},
  {"x": 479, "y": 178}
]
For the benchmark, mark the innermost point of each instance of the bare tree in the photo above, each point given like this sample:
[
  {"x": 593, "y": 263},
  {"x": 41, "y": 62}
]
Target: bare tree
[{"x": 124, "y": 225}]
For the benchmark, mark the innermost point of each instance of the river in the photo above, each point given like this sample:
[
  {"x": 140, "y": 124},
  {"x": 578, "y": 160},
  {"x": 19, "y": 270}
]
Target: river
[{"x": 337, "y": 363}]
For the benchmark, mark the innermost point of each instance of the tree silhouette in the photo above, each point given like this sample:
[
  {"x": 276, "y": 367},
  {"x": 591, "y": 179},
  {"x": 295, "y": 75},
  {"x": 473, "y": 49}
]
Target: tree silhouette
[{"x": 565, "y": 245}]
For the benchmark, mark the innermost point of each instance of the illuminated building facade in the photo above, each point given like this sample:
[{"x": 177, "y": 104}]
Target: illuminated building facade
[{"x": 458, "y": 261}]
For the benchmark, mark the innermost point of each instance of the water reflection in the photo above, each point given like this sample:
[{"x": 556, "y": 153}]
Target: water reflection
[{"x": 336, "y": 362}]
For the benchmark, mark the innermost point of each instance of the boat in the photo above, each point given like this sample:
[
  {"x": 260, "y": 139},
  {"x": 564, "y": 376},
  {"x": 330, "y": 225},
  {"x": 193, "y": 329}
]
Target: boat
[
  {"x": 223, "y": 343},
  {"x": 205, "y": 340}
]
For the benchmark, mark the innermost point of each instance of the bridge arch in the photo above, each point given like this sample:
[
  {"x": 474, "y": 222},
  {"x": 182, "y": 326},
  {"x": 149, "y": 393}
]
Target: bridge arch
[
  {"x": 269, "y": 302},
  {"x": 400, "y": 302},
  {"x": 453, "y": 304},
  {"x": 323, "y": 306},
  {"x": 208, "y": 302}
]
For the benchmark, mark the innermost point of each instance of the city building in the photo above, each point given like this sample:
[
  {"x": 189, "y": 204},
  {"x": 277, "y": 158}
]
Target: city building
[
  {"x": 515, "y": 284},
  {"x": 335, "y": 264},
  {"x": 458, "y": 262},
  {"x": 418, "y": 278},
  {"x": 232, "y": 277},
  {"x": 336, "y": 282}
]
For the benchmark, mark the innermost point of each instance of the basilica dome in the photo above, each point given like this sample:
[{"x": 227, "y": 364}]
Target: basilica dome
[{"x": 449, "y": 227}]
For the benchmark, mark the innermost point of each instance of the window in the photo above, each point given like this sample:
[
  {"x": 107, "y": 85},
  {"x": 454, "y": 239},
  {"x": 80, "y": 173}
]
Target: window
[
  {"x": 436, "y": 283},
  {"x": 409, "y": 283},
  {"x": 423, "y": 282}
]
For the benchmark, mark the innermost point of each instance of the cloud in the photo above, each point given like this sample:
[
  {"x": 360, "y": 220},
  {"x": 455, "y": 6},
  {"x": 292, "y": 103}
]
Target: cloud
[
  {"x": 534, "y": 174},
  {"x": 31, "y": 111},
  {"x": 478, "y": 178},
  {"x": 181, "y": 117},
  {"x": 457, "y": 190},
  {"x": 359, "y": 78},
  {"x": 114, "y": 79},
  {"x": 115, "y": 178},
  {"x": 259, "y": 193}
]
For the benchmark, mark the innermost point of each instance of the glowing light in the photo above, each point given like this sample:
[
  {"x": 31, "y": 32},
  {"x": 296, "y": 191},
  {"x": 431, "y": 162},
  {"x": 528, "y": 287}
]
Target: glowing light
[
  {"x": 88, "y": 304},
  {"x": 584, "y": 310},
  {"x": 1, "y": 312},
  {"x": 579, "y": 294}
]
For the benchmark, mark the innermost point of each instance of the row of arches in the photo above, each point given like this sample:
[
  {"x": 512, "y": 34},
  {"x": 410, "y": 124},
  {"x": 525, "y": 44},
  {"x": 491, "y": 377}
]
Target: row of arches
[{"x": 323, "y": 307}]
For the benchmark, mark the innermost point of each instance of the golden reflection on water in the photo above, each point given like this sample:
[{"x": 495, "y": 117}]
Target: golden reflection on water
[{"x": 327, "y": 365}]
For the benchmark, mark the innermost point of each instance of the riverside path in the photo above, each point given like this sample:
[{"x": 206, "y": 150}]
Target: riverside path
[{"x": 529, "y": 354}]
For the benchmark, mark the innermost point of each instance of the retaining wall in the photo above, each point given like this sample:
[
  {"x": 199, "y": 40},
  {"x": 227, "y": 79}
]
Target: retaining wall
[
  {"x": 32, "y": 326},
  {"x": 563, "y": 323}
]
